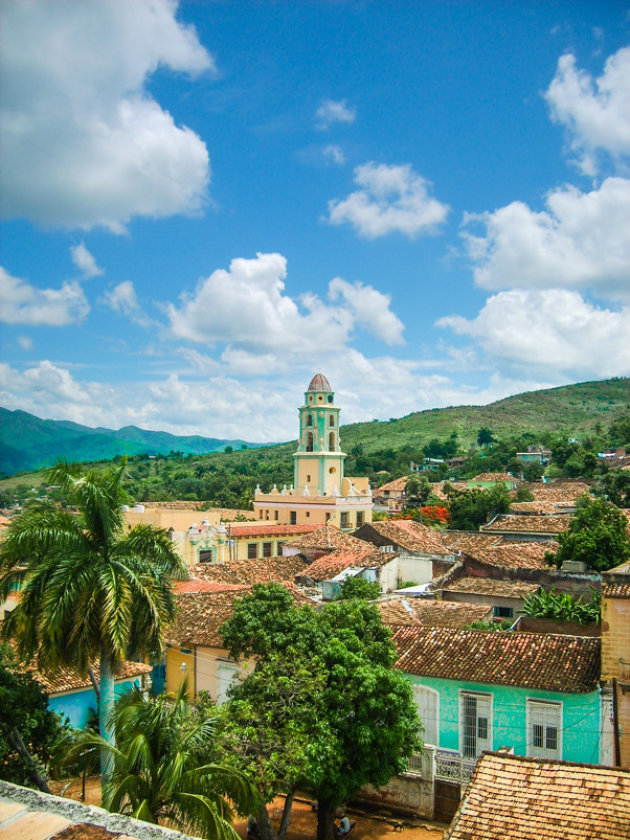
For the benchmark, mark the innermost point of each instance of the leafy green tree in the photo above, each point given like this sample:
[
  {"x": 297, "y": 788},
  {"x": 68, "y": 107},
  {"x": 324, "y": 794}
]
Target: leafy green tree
[
  {"x": 273, "y": 730},
  {"x": 91, "y": 591},
  {"x": 532, "y": 472},
  {"x": 469, "y": 509},
  {"x": 417, "y": 490},
  {"x": 524, "y": 494},
  {"x": 359, "y": 587},
  {"x": 28, "y": 729},
  {"x": 161, "y": 772},
  {"x": 615, "y": 487},
  {"x": 596, "y": 536},
  {"x": 366, "y": 704},
  {"x": 485, "y": 437}
]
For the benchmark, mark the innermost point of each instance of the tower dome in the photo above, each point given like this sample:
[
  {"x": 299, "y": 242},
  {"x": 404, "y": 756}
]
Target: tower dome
[{"x": 319, "y": 383}]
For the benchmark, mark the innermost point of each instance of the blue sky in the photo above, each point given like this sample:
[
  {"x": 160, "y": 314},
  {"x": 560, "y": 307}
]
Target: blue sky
[{"x": 205, "y": 203}]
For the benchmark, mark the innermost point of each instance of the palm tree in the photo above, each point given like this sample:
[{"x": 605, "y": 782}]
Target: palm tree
[
  {"x": 160, "y": 769},
  {"x": 91, "y": 592}
]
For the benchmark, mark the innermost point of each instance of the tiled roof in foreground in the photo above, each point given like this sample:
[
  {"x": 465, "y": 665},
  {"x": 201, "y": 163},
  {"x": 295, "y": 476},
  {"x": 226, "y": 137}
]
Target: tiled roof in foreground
[
  {"x": 31, "y": 815},
  {"x": 331, "y": 565},
  {"x": 410, "y": 535},
  {"x": 514, "y": 798},
  {"x": 529, "y": 660},
  {"x": 523, "y": 555},
  {"x": 325, "y": 537}
]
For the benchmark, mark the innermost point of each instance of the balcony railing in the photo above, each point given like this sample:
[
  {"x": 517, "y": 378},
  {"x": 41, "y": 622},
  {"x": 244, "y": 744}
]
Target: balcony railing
[{"x": 445, "y": 765}]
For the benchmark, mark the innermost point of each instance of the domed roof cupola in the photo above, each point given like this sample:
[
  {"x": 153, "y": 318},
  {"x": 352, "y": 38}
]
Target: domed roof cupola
[{"x": 319, "y": 383}]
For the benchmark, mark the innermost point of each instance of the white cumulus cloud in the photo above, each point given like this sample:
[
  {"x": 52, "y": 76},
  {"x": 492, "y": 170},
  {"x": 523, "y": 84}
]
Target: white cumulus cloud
[
  {"x": 390, "y": 198},
  {"x": 248, "y": 309},
  {"x": 123, "y": 299},
  {"x": 331, "y": 111},
  {"x": 85, "y": 261},
  {"x": 580, "y": 240},
  {"x": 23, "y": 303},
  {"x": 370, "y": 309},
  {"x": 595, "y": 112},
  {"x": 550, "y": 332},
  {"x": 83, "y": 142}
]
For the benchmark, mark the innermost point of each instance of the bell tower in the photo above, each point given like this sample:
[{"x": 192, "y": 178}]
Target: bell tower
[{"x": 318, "y": 461}]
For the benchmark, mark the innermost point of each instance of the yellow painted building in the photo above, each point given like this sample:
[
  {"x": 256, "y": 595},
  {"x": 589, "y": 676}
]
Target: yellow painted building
[
  {"x": 320, "y": 492},
  {"x": 616, "y": 660}
]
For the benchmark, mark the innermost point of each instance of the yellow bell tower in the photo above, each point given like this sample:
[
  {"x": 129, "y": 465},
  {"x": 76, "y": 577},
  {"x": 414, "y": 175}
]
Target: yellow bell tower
[{"x": 318, "y": 461}]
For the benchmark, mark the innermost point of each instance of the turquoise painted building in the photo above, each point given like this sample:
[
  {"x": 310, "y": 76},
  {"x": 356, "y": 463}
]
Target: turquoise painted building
[
  {"x": 71, "y": 696},
  {"x": 536, "y": 694}
]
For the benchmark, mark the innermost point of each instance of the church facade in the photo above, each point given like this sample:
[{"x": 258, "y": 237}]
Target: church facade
[{"x": 320, "y": 492}]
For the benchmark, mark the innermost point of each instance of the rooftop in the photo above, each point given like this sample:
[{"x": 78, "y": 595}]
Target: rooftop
[
  {"x": 67, "y": 679},
  {"x": 523, "y": 555},
  {"x": 261, "y": 570},
  {"x": 489, "y": 586},
  {"x": 616, "y": 582},
  {"x": 558, "y": 491},
  {"x": 468, "y": 541},
  {"x": 430, "y": 613},
  {"x": 514, "y": 798},
  {"x": 32, "y": 815},
  {"x": 506, "y": 523},
  {"x": 268, "y": 529},
  {"x": 529, "y": 660},
  {"x": 493, "y": 477},
  {"x": 325, "y": 537},
  {"x": 363, "y": 557},
  {"x": 410, "y": 535},
  {"x": 319, "y": 383}
]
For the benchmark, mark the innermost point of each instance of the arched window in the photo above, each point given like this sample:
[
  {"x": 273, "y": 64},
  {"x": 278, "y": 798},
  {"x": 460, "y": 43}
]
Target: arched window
[
  {"x": 309, "y": 419},
  {"x": 331, "y": 422},
  {"x": 331, "y": 441},
  {"x": 309, "y": 442}
]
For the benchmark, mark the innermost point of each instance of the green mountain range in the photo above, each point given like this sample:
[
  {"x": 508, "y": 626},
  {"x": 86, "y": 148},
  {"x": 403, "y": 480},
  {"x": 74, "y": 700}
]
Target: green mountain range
[{"x": 28, "y": 443}]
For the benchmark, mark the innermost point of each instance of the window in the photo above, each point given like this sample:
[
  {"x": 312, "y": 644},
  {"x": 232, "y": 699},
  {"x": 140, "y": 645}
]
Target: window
[
  {"x": 293, "y": 517},
  {"x": 309, "y": 442},
  {"x": 308, "y": 479},
  {"x": 544, "y": 726},
  {"x": 227, "y": 675},
  {"x": 252, "y": 551},
  {"x": 428, "y": 704},
  {"x": 308, "y": 513},
  {"x": 331, "y": 422},
  {"x": 359, "y": 518},
  {"x": 331, "y": 441},
  {"x": 503, "y": 612},
  {"x": 330, "y": 399},
  {"x": 205, "y": 555},
  {"x": 344, "y": 520},
  {"x": 475, "y": 720},
  {"x": 309, "y": 419},
  {"x": 327, "y": 517},
  {"x": 275, "y": 514},
  {"x": 279, "y": 548},
  {"x": 266, "y": 549}
]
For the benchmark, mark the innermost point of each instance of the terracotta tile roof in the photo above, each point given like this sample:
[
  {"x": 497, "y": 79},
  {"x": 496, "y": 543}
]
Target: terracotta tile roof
[
  {"x": 196, "y": 585},
  {"x": 616, "y": 582},
  {"x": 263, "y": 529},
  {"x": 325, "y": 537},
  {"x": 468, "y": 541},
  {"x": 489, "y": 586},
  {"x": 508, "y": 523},
  {"x": 410, "y": 535},
  {"x": 529, "y": 660},
  {"x": 540, "y": 508},
  {"x": 514, "y": 798},
  {"x": 330, "y": 565},
  {"x": 430, "y": 613},
  {"x": 201, "y": 614},
  {"x": 493, "y": 477},
  {"x": 260, "y": 570},
  {"x": 558, "y": 491},
  {"x": 67, "y": 679},
  {"x": 395, "y": 486},
  {"x": 523, "y": 555}
]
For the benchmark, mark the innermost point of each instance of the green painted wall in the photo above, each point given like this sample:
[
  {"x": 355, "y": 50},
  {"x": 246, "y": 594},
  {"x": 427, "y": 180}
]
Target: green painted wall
[{"x": 580, "y": 717}]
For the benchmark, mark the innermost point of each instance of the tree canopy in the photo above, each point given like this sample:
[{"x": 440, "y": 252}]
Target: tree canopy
[
  {"x": 596, "y": 536},
  {"x": 90, "y": 590},
  {"x": 469, "y": 509},
  {"x": 366, "y": 705}
]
